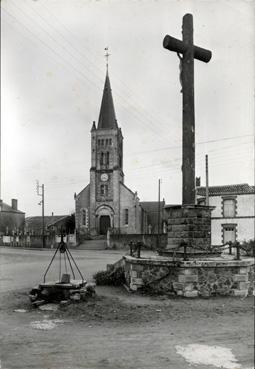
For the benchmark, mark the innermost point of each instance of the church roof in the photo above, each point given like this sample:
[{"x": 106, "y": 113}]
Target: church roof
[{"x": 107, "y": 118}]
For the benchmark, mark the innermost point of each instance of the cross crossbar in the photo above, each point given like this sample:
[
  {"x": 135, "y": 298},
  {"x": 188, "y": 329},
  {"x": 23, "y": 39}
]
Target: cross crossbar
[{"x": 173, "y": 44}]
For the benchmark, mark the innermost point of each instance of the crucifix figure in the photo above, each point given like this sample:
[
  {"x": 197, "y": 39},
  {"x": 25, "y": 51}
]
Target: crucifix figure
[{"x": 189, "y": 52}]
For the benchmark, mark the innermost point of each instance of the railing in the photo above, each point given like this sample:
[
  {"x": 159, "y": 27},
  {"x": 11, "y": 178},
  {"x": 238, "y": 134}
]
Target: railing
[{"x": 135, "y": 249}]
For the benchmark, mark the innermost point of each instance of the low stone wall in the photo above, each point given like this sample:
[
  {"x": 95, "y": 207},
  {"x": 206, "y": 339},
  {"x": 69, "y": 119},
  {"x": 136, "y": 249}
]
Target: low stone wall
[
  {"x": 203, "y": 278},
  {"x": 150, "y": 241}
]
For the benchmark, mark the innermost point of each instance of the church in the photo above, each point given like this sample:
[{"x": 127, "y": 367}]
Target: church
[{"x": 106, "y": 202}]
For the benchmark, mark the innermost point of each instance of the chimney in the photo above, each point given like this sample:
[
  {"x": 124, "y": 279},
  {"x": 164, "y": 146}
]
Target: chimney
[{"x": 15, "y": 204}]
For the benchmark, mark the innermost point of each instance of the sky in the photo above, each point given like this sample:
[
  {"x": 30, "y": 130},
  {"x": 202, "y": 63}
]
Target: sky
[{"x": 52, "y": 77}]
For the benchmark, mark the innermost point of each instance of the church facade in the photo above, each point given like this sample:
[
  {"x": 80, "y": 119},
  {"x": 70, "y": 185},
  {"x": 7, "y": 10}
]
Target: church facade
[{"x": 106, "y": 202}]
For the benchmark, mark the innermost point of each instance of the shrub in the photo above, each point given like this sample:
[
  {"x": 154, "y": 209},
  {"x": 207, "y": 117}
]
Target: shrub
[
  {"x": 110, "y": 278},
  {"x": 248, "y": 247}
]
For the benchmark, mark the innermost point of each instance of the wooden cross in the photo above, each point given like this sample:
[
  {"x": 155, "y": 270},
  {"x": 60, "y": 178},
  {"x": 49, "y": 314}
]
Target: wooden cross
[{"x": 189, "y": 52}]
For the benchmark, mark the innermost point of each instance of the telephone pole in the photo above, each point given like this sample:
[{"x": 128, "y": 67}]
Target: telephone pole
[
  {"x": 158, "y": 211},
  {"x": 207, "y": 180},
  {"x": 38, "y": 187}
]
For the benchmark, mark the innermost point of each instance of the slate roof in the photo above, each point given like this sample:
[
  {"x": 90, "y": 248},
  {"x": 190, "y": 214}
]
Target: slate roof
[
  {"x": 107, "y": 118},
  {"x": 235, "y": 189},
  {"x": 7, "y": 208},
  {"x": 35, "y": 223}
]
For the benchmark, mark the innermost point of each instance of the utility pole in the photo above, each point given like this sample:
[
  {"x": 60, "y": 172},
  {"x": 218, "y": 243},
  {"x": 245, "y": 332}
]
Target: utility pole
[
  {"x": 206, "y": 179},
  {"x": 38, "y": 187},
  {"x": 158, "y": 210}
]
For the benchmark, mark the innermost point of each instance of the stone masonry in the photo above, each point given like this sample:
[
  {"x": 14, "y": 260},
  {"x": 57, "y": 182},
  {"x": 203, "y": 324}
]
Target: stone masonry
[
  {"x": 189, "y": 224},
  {"x": 197, "y": 278}
]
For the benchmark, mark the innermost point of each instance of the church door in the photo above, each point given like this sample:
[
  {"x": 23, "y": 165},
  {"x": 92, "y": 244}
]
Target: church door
[{"x": 104, "y": 224}]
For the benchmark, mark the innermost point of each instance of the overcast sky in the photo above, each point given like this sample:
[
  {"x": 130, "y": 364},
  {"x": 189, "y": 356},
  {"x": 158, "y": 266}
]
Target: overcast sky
[{"x": 53, "y": 71}]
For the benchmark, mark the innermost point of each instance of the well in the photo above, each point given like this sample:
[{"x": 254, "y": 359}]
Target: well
[{"x": 193, "y": 278}]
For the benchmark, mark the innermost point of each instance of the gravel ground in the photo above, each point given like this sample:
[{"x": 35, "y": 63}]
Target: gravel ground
[{"x": 117, "y": 330}]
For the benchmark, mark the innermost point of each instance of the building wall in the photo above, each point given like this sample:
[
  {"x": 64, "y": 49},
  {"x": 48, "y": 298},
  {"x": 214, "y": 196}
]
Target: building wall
[
  {"x": 14, "y": 221},
  {"x": 244, "y": 219},
  {"x": 82, "y": 201},
  {"x": 129, "y": 201},
  {"x": 244, "y": 229}
]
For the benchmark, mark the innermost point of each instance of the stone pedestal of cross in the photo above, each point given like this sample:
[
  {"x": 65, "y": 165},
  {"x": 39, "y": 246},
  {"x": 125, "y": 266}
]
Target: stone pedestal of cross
[{"x": 189, "y": 52}]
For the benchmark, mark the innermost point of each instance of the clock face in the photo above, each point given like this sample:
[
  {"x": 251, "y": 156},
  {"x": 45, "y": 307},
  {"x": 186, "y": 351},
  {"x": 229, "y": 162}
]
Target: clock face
[{"x": 104, "y": 177}]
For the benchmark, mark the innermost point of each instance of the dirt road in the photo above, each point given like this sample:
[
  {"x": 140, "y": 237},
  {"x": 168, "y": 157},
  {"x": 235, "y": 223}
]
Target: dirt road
[{"x": 117, "y": 330}]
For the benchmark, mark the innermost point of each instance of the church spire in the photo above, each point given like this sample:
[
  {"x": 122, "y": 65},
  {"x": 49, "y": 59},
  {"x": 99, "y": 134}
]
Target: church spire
[{"x": 107, "y": 118}]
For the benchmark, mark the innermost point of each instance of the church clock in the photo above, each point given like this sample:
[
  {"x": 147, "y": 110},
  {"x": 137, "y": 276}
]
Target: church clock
[{"x": 104, "y": 177}]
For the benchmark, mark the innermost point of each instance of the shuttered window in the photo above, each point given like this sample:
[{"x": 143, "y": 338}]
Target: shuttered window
[{"x": 229, "y": 208}]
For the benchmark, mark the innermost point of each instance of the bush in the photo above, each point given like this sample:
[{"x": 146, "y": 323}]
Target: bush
[
  {"x": 248, "y": 247},
  {"x": 110, "y": 278}
]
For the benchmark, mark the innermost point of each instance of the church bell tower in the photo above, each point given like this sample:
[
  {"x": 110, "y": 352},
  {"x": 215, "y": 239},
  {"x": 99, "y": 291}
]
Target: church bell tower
[{"x": 106, "y": 172}]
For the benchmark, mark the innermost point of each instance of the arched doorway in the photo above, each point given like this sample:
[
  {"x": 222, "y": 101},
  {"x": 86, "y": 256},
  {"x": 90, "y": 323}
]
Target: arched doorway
[{"x": 104, "y": 224}]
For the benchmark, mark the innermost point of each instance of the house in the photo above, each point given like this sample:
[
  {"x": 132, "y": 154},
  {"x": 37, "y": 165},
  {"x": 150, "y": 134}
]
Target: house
[
  {"x": 12, "y": 220},
  {"x": 233, "y": 218},
  {"x": 52, "y": 224}
]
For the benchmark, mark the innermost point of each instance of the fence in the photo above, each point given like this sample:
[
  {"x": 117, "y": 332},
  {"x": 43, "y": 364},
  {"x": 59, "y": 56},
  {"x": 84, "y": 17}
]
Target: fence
[{"x": 35, "y": 241}]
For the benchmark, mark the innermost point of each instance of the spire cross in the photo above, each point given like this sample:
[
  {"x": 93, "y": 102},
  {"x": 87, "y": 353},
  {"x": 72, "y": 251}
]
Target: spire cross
[
  {"x": 189, "y": 52},
  {"x": 106, "y": 56}
]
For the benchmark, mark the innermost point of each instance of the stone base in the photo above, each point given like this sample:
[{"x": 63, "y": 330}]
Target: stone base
[
  {"x": 189, "y": 225},
  {"x": 194, "y": 278}
]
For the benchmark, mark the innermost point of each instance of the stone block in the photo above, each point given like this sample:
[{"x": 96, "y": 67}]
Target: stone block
[
  {"x": 188, "y": 287},
  {"x": 240, "y": 278},
  {"x": 243, "y": 270},
  {"x": 239, "y": 293},
  {"x": 187, "y": 271},
  {"x": 133, "y": 287},
  {"x": 191, "y": 293},
  {"x": 243, "y": 285},
  {"x": 179, "y": 293},
  {"x": 178, "y": 286},
  {"x": 134, "y": 274},
  {"x": 187, "y": 278},
  {"x": 137, "y": 267},
  {"x": 137, "y": 281}
]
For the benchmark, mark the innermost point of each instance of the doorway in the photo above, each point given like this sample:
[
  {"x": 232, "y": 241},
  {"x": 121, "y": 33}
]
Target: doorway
[{"x": 104, "y": 224}]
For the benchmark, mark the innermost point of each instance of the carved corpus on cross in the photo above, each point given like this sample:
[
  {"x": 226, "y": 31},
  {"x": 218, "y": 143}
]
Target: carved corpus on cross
[{"x": 189, "y": 53}]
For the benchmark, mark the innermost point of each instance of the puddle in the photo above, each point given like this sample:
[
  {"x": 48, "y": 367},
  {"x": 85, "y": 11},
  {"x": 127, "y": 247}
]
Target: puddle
[
  {"x": 46, "y": 324},
  {"x": 19, "y": 311},
  {"x": 220, "y": 357}
]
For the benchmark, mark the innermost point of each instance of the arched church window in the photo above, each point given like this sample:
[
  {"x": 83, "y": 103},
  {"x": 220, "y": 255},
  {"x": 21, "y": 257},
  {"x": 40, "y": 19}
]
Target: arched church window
[
  {"x": 102, "y": 158},
  {"x": 110, "y": 141},
  {"x": 104, "y": 190},
  {"x": 107, "y": 158},
  {"x": 84, "y": 217}
]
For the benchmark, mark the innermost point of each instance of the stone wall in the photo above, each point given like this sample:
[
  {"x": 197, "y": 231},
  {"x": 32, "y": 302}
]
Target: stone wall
[
  {"x": 191, "y": 278},
  {"x": 150, "y": 241}
]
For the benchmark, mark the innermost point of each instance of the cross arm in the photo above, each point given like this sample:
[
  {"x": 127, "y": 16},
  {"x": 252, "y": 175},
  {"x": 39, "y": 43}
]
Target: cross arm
[{"x": 173, "y": 44}]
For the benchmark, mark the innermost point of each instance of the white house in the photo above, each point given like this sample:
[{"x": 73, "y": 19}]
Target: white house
[{"x": 233, "y": 218}]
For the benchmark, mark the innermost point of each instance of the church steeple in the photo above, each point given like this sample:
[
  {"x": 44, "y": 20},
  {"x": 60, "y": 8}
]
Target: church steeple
[{"x": 107, "y": 118}]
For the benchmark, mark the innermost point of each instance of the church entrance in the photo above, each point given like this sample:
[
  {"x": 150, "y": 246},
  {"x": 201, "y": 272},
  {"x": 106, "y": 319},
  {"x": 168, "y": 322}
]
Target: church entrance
[{"x": 104, "y": 224}]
